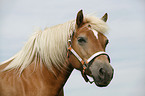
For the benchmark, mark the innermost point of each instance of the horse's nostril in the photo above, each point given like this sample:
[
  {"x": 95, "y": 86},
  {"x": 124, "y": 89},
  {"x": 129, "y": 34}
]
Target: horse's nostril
[{"x": 101, "y": 71}]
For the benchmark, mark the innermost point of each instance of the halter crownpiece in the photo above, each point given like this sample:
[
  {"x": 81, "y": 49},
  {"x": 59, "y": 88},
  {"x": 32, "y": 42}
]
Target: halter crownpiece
[{"x": 83, "y": 62}]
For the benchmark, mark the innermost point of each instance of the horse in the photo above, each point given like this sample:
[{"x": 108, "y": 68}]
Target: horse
[{"x": 43, "y": 65}]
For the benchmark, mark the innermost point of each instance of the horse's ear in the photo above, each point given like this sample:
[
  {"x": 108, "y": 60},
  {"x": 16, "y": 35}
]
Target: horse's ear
[
  {"x": 79, "y": 19},
  {"x": 105, "y": 17}
]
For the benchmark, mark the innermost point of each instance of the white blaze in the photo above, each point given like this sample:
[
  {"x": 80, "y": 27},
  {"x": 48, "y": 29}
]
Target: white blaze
[{"x": 95, "y": 33}]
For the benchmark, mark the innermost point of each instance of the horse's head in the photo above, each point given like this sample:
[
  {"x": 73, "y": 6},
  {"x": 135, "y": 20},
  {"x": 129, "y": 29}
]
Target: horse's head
[{"x": 87, "y": 52}]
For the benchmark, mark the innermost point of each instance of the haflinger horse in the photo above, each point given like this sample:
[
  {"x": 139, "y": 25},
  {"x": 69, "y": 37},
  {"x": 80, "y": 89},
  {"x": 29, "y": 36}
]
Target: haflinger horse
[{"x": 46, "y": 61}]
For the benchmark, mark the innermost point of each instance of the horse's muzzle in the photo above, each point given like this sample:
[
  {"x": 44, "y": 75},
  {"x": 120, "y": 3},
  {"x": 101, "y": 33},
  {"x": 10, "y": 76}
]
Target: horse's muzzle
[{"x": 102, "y": 73}]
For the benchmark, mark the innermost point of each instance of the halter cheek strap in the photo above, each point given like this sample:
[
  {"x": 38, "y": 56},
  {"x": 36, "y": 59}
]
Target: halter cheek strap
[
  {"x": 76, "y": 55},
  {"x": 85, "y": 63}
]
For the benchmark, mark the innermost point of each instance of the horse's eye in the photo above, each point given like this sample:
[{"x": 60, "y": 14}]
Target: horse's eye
[
  {"x": 107, "y": 41},
  {"x": 81, "y": 40}
]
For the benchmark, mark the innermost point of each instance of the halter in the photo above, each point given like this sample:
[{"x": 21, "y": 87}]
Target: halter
[{"x": 84, "y": 63}]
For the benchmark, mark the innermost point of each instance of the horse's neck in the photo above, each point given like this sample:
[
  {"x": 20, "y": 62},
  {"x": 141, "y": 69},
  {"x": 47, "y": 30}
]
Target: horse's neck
[
  {"x": 38, "y": 75},
  {"x": 54, "y": 80}
]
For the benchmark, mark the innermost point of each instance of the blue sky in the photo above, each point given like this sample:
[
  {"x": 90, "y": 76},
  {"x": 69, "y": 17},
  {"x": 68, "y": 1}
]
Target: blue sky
[{"x": 19, "y": 18}]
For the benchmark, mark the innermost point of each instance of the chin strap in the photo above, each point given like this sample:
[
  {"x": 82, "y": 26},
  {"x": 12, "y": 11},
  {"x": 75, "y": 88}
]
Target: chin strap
[
  {"x": 85, "y": 63},
  {"x": 85, "y": 77}
]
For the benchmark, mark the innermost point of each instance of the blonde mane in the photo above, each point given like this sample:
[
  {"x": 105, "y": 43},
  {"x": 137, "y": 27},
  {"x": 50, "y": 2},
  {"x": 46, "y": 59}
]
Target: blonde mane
[{"x": 50, "y": 46}]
